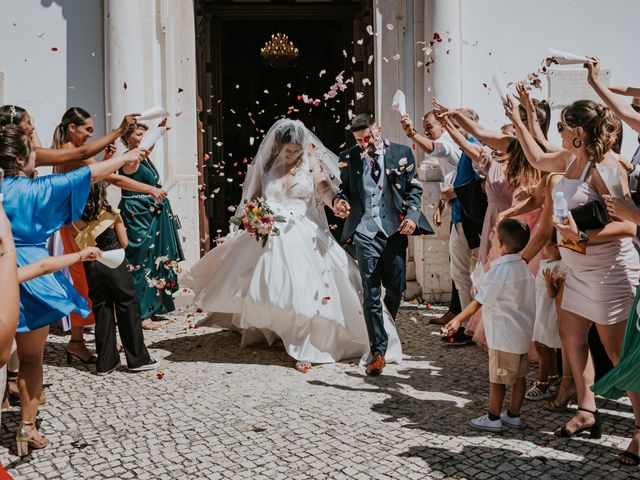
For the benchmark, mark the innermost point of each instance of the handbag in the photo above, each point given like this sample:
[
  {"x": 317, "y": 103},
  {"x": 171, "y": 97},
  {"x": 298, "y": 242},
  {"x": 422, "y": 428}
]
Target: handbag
[{"x": 590, "y": 216}]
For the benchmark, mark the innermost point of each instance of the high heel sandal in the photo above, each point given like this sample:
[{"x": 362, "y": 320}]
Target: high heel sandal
[
  {"x": 628, "y": 458},
  {"x": 24, "y": 440},
  {"x": 595, "y": 430},
  {"x": 555, "y": 405},
  {"x": 91, "y": 360}
]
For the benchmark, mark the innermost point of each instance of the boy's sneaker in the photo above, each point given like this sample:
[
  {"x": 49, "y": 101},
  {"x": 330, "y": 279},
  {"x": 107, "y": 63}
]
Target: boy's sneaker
[
  {"x": 513, "y": 422},
  {"x": 151, "y": 365},
  {"x": 485, "y": 423},
  {"x": 539, "y": 391}
]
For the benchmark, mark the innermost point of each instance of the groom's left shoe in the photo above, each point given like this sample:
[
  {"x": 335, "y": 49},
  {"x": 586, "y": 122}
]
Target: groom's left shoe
[{"x": 376, "y": 365}]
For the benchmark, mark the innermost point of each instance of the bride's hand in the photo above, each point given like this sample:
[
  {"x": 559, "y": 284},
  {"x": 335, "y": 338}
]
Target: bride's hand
[{"x": 341, "y": 208}]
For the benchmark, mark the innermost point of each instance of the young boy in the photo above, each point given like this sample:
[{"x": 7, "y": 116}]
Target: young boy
[{"x": 507, "y": 297}]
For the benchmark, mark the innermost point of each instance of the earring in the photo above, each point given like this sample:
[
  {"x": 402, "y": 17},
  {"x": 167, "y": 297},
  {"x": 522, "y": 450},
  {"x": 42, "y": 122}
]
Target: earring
[{"x": 579, "y": 141}]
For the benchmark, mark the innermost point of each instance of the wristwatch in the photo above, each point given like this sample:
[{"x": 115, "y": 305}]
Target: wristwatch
[
  {"x": 584, "y": 238},
  {"x": 412, "y": 133}
]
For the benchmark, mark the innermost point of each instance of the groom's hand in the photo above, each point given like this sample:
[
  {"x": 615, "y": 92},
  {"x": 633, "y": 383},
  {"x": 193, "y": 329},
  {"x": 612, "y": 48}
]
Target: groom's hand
[
  {"x": 407, "y": 227},
  {"x": 341, "y": 208}
]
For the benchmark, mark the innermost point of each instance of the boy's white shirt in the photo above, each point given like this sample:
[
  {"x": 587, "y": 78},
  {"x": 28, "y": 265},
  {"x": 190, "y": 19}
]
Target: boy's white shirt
[{"x": 508, "y": 299}]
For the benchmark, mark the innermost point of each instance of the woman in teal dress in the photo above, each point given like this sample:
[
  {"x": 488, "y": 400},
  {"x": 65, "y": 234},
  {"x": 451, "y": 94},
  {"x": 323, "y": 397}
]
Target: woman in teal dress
[
  {"x": 37, "y": 208},
  {"x": 154, "y": 245}
]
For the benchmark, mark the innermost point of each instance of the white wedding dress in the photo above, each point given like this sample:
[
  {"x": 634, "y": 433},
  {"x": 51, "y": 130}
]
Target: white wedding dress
[{"x": 301, "y": 287}]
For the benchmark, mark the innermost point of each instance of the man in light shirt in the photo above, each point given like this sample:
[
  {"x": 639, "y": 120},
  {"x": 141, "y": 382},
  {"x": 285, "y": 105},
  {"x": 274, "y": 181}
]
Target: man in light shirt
[{"x": 440, "y": 149}]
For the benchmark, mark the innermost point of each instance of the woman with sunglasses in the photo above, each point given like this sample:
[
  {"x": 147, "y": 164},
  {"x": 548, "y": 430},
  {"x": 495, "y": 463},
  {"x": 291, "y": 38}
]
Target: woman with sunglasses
[
  {"x": 601, "y": 281},
  {"x": 626, "y": 375}
]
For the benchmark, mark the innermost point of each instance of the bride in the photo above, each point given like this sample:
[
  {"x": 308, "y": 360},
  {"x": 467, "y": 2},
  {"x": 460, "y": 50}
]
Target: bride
[{"x": 301, "y": 287}]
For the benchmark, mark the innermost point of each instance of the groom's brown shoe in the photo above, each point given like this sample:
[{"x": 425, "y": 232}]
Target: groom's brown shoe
[{"x": 376, "y": 365}]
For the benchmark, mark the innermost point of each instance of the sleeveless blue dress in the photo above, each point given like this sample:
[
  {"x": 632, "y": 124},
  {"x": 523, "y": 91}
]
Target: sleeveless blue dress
[{"x": 37, "y": 208}]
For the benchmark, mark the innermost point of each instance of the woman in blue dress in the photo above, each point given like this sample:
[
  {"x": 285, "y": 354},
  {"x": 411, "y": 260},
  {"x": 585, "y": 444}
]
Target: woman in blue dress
[{"x": 36, "y": 209}]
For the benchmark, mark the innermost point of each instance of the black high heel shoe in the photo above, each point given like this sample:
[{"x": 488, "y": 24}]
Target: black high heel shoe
[
  {"x": 595, "y": 430},
  {"x": 91, "y": 360}
]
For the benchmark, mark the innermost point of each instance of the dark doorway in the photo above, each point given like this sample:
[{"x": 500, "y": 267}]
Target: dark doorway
[{"x": 243, "y": 96}]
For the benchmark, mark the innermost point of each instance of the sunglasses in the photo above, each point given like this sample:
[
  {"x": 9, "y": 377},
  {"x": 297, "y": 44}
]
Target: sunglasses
[{"x": 366, "y": 139}]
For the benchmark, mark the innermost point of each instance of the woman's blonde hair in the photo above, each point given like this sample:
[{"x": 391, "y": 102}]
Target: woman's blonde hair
[{"x": 124, "y": 138}]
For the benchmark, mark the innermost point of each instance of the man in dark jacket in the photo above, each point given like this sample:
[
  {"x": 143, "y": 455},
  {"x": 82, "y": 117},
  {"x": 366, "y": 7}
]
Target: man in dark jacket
[{"x": 380, "y": 198}]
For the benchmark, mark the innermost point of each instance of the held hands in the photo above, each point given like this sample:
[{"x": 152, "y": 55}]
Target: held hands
[
  {"x": 524, "y": 98},
  {"x": 450, "y": 328},
  {"x": 570, "y": 231},
  {"x": 341, "y": 208},
  {"x": 593, "y": 69},
  {"x": 90, "y": 254},
  {"x": 109, "y": 151},
  {"x": 407, "y": 227},
  {"x": 128, "y": 121},
  {"x": 135, "y": 156},
  {"x": 621, "y": 209},
  {"x": 440, "y": 110},
  {"x": 511, "y": 111},
  {"x": 406, "y": 123},
  {"x": 158, "y": 194}
]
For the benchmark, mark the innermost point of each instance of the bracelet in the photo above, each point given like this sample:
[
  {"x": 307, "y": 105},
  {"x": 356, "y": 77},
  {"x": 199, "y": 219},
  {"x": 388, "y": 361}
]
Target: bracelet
[
  {"x": 412, "y": 133},
  {"x": 2, "y": 254}
]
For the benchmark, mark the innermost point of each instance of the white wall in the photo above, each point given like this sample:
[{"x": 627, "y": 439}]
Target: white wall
[
  {"x": 515, "y": 35},
  {"x": 44, "y": 82}
]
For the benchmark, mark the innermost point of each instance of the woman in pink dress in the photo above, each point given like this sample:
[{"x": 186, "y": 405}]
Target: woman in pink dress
[{"x": 601, "y": 281}]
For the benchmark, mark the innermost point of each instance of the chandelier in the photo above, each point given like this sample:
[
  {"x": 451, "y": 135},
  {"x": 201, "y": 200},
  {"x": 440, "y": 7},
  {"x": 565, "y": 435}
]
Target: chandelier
[{"x": 279, "y": 52}]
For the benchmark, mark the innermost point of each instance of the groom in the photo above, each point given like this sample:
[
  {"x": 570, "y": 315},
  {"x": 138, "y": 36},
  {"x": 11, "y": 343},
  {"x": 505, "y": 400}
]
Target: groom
[{"x": 380, "y": 198}]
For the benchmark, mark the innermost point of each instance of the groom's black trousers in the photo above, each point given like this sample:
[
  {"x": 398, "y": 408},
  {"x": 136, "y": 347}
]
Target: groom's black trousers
[{"x": 382, "y": 261}]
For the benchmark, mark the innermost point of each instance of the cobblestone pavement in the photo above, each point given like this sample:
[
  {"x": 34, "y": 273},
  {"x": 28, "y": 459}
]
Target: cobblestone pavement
[{"x": 222, "y": 411}]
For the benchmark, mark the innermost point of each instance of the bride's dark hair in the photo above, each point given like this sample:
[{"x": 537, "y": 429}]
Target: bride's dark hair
[{"x": 286, "y": 134}]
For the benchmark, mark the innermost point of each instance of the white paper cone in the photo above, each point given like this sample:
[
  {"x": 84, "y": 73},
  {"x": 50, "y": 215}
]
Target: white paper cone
[
  {"x": 152, "y": 113},
  {"x": 611, "y": 178},
  {"x": 112, "y": 258},
  {"x": 501, "y": 86},
  {"x": 169, "y": 184},
  {"x": 151, "y": 136},
  {"x": 566, "y": 58},
  {"x": 399, "y": 102}
]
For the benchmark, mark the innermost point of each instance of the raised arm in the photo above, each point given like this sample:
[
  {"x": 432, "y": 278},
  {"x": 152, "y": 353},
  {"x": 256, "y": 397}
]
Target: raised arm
[
  {"x": 627, "y": 91},
  {"x": 53, "y": 264},
  {"x": 50, "y": 157},
  {"x": 538, "y": 158},
  {"x": 101, "y": 170},
  {"x": 620, "y": 108},
  {"x": 421, "y": 141},
  {"x": 533, "y": 122},
  {"x": 472, "y": 149}
]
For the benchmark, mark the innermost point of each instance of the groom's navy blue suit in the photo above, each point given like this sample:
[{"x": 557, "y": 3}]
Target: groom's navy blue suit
[{"x": 382, "y": 191}]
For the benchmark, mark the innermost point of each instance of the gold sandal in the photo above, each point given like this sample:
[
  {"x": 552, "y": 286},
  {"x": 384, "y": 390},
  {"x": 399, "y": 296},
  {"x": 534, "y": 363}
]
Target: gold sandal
[{"x": 24, "y": 440}]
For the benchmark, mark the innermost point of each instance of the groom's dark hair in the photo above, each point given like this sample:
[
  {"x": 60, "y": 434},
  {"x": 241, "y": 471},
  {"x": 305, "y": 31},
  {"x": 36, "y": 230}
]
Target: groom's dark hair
[{"x": 361, "y": 122}]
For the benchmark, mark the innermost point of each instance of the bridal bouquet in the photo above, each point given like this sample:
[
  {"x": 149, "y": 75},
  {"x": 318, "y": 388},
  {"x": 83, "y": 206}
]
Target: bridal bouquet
[{"x": 258, "y": 219}]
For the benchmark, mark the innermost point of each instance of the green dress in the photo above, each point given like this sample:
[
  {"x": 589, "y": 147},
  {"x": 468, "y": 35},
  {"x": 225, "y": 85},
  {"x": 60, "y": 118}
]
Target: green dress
[
  {"x": 154, "y": 245},
  {"x": 626, "y": 375}
]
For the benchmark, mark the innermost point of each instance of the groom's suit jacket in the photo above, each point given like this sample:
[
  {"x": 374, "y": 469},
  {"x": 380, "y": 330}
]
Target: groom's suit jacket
[{"x": 401, "y": 176}]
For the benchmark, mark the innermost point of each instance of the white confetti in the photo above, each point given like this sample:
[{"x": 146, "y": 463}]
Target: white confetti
[
  {"x": 389, "y": 26},
  {"x": 344, "y": 52},
  {"x": 360, "y": 42},
  {"x": 359, "y": 95},
  {"x": 370, "y": 60},
  {"x": 369, "y": 29},
  {"x": 402, "y": 162},
  {"x": 396, "y": 57},
  {"x": 366, "y": 82}
]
